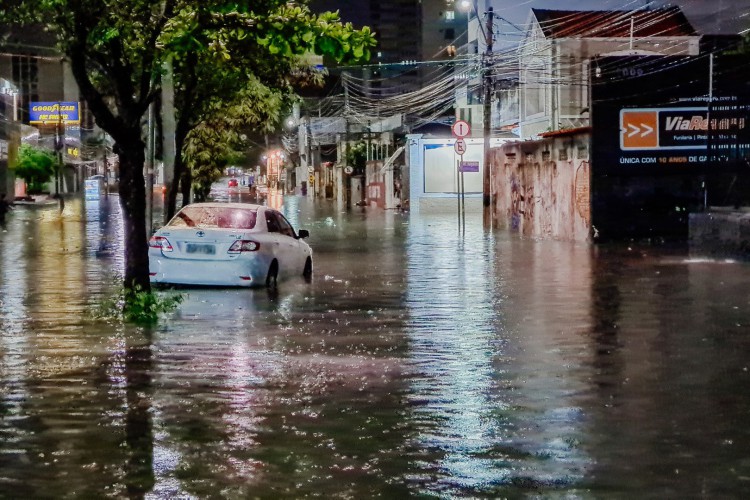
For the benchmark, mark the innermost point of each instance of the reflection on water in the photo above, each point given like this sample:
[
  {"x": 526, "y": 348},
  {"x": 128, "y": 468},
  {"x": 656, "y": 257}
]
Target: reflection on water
[
  {"x": 421, "y": 361},
  {"x": 491, "y": 391}
]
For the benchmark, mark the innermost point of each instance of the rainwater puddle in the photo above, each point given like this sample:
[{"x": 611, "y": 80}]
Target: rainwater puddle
[{"x": 421, "y": 361}]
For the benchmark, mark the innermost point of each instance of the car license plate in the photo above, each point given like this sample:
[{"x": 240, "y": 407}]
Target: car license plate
[{"x": 200, "y": 249}]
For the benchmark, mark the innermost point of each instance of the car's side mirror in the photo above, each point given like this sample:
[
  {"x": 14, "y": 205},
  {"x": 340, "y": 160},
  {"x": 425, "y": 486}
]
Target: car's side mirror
[{"x": 303, "y": 233}]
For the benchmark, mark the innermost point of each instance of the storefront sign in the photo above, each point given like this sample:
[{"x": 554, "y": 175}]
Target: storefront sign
[{"x": 53, "y": 113}]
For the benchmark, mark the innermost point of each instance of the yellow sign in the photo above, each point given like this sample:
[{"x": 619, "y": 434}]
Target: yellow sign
[{"x": 312, "y": 179}]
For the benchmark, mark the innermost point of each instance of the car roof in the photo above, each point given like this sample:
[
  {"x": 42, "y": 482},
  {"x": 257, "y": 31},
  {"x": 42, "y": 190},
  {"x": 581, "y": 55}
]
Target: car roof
[{"x": 214, "y": 204}]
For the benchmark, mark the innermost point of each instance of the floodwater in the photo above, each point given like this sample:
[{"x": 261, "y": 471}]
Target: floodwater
[{"x": 422, "y": 361}]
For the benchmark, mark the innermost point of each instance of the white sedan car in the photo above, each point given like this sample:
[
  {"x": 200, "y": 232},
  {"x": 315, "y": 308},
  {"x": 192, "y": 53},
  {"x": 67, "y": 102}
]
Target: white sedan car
[{"x": 228, "y": 244}]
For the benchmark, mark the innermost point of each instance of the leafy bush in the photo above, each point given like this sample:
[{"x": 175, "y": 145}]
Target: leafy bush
[
  {"x": 35, "y": 166},
  {"x": 138, "y": 306},
  {"x": 356, "y": 157}
]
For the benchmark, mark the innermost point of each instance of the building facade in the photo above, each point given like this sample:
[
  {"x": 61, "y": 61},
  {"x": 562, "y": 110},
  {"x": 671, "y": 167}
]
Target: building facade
[{"x": 554, "y": 59}]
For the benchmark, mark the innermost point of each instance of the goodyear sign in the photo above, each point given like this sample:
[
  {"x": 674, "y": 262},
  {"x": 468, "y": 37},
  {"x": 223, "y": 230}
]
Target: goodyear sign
[{"x": 49, "y": 113}]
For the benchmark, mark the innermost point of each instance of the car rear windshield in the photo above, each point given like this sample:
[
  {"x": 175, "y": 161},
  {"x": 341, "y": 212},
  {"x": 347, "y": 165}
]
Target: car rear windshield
[{"x": 214, "y": 217}]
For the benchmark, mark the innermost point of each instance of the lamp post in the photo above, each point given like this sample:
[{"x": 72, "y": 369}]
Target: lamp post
[{"x": 59, "y": 144}]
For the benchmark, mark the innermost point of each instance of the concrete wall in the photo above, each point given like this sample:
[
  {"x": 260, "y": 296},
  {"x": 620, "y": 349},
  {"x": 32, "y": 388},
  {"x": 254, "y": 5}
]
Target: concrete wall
[
  {"x": 720, "y": 232},
  {"x": 381, "y": 185},
  {"x": 543, "y": 187}
]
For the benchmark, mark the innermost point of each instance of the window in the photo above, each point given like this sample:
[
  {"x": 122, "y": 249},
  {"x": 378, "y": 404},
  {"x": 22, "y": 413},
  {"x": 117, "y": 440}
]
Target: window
[
  {"x": 214, "y": 217},
  {"x": 26, "y": 78},
  {"x": 284, "y": 227},
  {"x": 534, "y": 90},
  {"x": 272, "y": 223},
  {"x": 450, "y": 15},
  {"x": 450, "y": 34}
]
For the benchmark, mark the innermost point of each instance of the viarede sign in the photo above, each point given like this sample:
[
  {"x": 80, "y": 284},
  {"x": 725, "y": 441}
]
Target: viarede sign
[{"x": 670, "y": 114}]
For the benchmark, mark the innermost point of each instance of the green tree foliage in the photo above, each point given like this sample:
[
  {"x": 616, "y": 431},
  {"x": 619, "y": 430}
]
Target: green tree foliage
[
  {"x": 356, "y": 157},
  {"x": 35, "y": 166},
  {"x": 263, "y": 70},
  {"x": 210, "y": 145},
  {"x": 117, "y": 50}
]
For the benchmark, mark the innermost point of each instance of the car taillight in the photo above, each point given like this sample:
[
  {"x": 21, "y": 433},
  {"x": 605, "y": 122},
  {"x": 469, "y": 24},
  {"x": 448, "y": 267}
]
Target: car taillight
[
  {"x": 160, "y": 242},
  {"x": 240, "y": 246}
]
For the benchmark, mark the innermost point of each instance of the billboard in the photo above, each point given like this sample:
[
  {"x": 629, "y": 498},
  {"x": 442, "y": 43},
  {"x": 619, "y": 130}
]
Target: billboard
[
  {"x": 51, "y": 113},
  {"x": 656, "y": 115}
]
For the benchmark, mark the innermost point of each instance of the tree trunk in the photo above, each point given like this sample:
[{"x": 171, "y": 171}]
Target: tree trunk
[
  {"x": 133, "y": 203},
  {"x": 186, "y": 183}
]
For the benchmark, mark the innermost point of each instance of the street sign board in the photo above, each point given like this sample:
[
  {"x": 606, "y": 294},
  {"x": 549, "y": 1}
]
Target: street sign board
[
  {"x": 62, "y": 113},
  {"x": 461, "y": 128},
  {"x": 460, "y": 146},
  {"x": 469, "y": 166}
]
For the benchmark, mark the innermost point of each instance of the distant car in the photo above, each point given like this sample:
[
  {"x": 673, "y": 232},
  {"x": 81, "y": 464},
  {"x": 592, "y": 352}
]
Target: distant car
[
  {"x": 228, "y": 244},
  {"x": 232, "y": 183}
]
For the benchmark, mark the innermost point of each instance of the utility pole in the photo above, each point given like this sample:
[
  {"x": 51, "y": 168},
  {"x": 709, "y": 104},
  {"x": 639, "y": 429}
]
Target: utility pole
[
  {"x": 487, "y": 108},
  {"x": 310, "y": 163},
  {"x": 168, "y": 138},
  {"x": 59, "y": 143},
  {"x": 149, "y": 173}
]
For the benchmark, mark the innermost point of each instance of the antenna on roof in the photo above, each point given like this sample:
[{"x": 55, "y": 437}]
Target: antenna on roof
[{"x": 632, "y": 23}]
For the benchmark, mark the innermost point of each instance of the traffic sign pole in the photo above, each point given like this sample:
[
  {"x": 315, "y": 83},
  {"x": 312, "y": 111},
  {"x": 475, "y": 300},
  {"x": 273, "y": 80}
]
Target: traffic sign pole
[
  {"x": 461, "y": 128},
  {"x": 460, "y": 146}
]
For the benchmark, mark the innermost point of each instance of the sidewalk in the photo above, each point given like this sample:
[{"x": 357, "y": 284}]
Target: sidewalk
[{"x": 35, "y": 200}]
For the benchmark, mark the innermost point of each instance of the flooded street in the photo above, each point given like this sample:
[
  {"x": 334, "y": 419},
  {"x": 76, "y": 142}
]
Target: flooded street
[{"x": 420, "y": 362}]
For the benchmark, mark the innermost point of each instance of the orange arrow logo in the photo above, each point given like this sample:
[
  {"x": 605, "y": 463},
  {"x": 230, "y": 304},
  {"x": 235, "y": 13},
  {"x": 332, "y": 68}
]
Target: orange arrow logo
[{"x": 638, "y": 130}]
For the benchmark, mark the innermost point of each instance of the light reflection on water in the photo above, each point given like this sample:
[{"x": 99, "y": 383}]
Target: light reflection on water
[
  {"x": 471, "y": 350},
  {"x": 419, "y": 362}
]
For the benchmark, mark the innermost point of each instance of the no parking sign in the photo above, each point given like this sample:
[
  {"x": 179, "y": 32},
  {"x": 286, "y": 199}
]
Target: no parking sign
[{"x": 460, "y": 146}]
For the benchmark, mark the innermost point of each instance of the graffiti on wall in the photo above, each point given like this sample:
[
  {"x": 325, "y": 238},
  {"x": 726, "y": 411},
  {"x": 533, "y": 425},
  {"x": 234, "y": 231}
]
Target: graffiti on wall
[
  {"x": 583, "y": 192},
  {"x": 548, "y": 199}
]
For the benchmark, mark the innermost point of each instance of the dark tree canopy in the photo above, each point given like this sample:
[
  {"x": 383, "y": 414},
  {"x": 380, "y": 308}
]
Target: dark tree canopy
[{"x": 117, "y": 50}]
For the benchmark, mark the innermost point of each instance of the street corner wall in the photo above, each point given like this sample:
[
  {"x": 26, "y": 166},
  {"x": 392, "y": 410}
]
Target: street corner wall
[
  {"x": 721, "y": 232},
  {"x": 543, "y": 188},
  {"x": 375, "y": 183}
]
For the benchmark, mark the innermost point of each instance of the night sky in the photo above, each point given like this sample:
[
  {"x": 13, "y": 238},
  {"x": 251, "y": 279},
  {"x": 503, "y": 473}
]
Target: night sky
[{"x": 707, "y": 16}]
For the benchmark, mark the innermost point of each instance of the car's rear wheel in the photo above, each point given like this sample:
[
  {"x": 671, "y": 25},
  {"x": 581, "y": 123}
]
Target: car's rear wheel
[
  {"x": 307, "y": 273},
  {"x": 272, "y": 277}
]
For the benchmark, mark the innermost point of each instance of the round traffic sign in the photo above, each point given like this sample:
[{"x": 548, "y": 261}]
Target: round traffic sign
[
  {"x": 460, "y": 146},
  {"x": 461, "y": 128}
]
